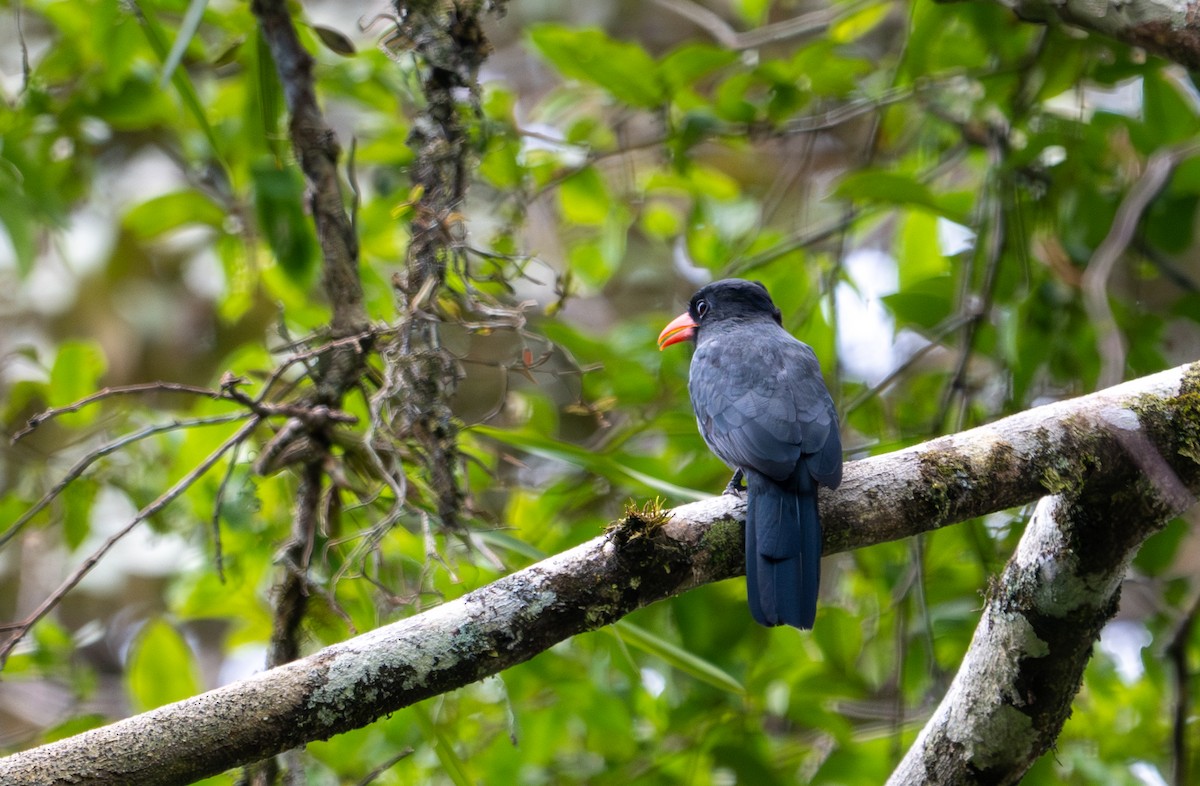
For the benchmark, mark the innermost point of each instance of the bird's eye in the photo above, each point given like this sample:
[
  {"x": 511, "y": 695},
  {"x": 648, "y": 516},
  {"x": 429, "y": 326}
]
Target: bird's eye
[{"x": 701, "y": 308}]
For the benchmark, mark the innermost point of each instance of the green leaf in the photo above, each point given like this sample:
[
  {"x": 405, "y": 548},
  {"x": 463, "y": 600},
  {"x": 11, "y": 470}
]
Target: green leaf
[
  {"x": 334, "y": 40},
  {"x": 920, "y": 250},
  {"x": 75, "y": 374},
  {"x": 621, "y": 68},
  {"x": 589, "y": 262},
  {"x": 1169, "y": 116},
  {"x": 840, "y": 637},
  {"x": 1159, "y": 553},
  {"x": 857, "y": 24},
  {"x": 828, "y": 72},
  {"x": 453, "y": 765},
  {"x": 17, "y": 219},
  {"x": 690, "y": 62},
  {"x": 1188, "y": 307},
  {"x": 187, "y": 31},
  {"x": 898, "y": 189},
  {"x": 675, "y": 657},
  {"x": 161, "y": 667},
  {"x": 76, "y": 725},
  {"x": 500, "y": 164},
  {"x": 696, "y": 126},
  {"x": 590, "y": 460},
  {"x": 752, "y": 12},
  {"x": 157, "y": 38},
  {"x": 160, "y": 215},
  {"x": 266, "y": 99},
  {"x": 713, "y": 184},
  {"x": 731, "y": 100},
  {"x": 1169, "y": 224},
  {"x": 660, "y": 219},
  {"x": 77, "y": 500},
  {"x": 279, "y": 201},
  {"x": 584, "y": 198},
  {"x": 925, "y": 303}
]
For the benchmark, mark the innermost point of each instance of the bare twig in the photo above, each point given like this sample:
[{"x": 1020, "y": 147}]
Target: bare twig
[
  {"x": 18, "y": 7},
  {"x": 810, "y": 24},
  {"x": 1177, "y": 655},
  {"x": 387, "y": 765},
  {"x": 976, "y": 308},
  {"x": 1109, "y": 343},
  {"x": 291, "y": 600},
  {"x": 811, "y": 237},
  {"x": 939, "y": 333},
  {"x": 104, "y": 450},
  {"x": 125, "y": 390},
  {"x": 317, "y": 151},
  {"x": 218, "y": 503},
  {"x": 17, "y": 630}
]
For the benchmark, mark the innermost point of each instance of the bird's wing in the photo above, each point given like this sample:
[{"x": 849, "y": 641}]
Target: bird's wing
[{"x": 761, "y": 404}]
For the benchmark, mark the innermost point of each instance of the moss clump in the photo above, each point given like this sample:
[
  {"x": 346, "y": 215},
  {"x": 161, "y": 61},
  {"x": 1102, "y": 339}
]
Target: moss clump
[{"x": 640, "y": 521}]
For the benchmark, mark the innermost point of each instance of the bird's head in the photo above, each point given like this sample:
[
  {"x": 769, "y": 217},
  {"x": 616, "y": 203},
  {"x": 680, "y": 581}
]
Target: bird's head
[{"x": 729, "y": 299}]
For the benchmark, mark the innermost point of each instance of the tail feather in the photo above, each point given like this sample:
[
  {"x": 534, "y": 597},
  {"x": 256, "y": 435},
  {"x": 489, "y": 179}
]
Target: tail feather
[{"x": 783, "y": 550}]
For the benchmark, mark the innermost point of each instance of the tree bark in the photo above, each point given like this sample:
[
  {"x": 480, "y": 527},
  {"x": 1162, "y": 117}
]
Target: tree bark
[
  {"x": 1013, "y": 691},
  {"x": 1166, "y": 29},
  {"x": 1119, "y": 463}
]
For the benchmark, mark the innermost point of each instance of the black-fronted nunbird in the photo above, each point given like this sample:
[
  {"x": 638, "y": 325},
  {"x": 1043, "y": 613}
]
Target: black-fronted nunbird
[{"x": 763, "y": 409}]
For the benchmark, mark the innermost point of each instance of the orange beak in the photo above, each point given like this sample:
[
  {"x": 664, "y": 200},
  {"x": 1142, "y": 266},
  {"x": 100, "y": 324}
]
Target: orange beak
[{"x": 681, "y": 328}]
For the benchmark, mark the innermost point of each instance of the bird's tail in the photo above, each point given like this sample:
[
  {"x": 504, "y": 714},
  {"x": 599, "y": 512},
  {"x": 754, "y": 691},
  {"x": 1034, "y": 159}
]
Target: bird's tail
[{"x": 783, "y": 549}]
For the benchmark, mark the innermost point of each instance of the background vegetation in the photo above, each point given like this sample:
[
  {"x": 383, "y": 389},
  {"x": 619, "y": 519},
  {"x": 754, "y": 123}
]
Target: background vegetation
[{"x": 933, "y": 194}]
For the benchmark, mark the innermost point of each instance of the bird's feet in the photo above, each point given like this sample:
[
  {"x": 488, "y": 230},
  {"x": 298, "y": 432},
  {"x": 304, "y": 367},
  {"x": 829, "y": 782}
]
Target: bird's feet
[{"x": 735, "y": 486}]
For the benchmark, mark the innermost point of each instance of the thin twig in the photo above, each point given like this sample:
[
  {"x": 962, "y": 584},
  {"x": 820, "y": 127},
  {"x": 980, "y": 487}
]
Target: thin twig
[
  {"x": 809, "y": 24},
  {"x": 387, "y": 765},
  {"x": 315, "y": 588},
  {"x": 26, "y": 71},
  {"x": 807, "y": 124},
  {"x": 107, "y": 449},
  {"x": 976, "y": 308},
  {"x": 839, "y": 116},
  {"x": 125, "y": 390},
  {"x": 1109, "y": 343},
  {"x": 364, "y": 336},
  {"x": 218, "y": 503},
  {"x": 17, "y": 630},
  {"x": 1177, "y": 654},
  {"x": 291, "y": 594},
  {"x": 847, "y": 218}
]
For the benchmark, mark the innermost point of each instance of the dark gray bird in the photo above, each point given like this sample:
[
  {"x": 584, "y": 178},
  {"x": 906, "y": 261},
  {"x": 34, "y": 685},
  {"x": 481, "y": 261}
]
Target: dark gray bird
[{"x": 763, "y": 409}]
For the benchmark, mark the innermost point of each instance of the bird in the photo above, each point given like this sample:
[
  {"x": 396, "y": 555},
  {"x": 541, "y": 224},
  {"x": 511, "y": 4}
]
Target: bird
[{"x": 763, "y": 408}]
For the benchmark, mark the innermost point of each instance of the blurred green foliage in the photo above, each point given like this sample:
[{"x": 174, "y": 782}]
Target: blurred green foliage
[{"x": 635, "y": 165}]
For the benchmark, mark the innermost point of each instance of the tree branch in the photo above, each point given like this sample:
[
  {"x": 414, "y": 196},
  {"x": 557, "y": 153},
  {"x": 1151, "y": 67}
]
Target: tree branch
[
  {"x": 337, "y": 372},
  {"x": 1085, "y": 451},
  {"x": 317, "y": 150},
  {"x": 448, "y": 41},
  {"x": 1166, "y": 29},
  {"x": 1014, "y": 689}
]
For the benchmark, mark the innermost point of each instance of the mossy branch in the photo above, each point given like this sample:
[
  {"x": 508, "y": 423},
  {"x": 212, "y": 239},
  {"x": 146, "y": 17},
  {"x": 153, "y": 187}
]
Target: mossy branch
[
  {"x": 1120, "y": 463},
  {"x": 1166, "y": 29}
]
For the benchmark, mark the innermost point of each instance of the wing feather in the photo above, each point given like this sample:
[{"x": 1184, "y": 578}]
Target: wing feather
[{"x": 764, "y": 405}]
